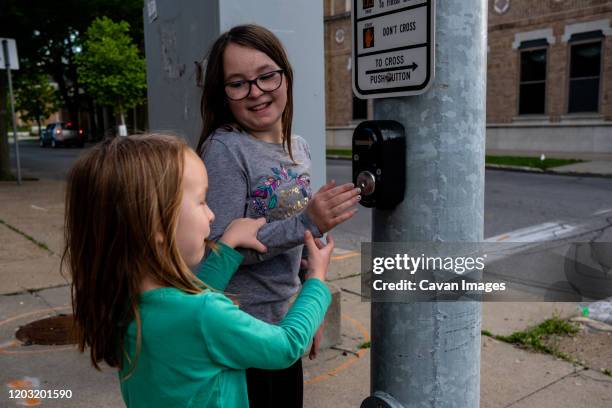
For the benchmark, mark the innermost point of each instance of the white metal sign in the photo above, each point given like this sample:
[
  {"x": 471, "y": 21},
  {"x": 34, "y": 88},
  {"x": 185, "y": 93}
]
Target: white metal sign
[
  {"x": 393, "y": 47},
  {"x": 12, "y": 51}
]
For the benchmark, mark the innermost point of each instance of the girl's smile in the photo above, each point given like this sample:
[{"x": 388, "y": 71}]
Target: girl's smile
[{"x": 260, "y": 107}]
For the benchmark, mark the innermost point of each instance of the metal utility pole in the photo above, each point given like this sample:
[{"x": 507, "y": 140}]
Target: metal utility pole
[
  {"x": 8, "y": 66},
  {"x": 428, "y": 354}
]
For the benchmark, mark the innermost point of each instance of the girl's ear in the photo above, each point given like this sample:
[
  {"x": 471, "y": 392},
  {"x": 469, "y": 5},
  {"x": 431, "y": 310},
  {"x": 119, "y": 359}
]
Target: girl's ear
[{"x": 159, "y": 238}]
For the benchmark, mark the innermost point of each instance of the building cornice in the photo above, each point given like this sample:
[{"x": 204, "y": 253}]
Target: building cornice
[{"x": 595, "y": 11}]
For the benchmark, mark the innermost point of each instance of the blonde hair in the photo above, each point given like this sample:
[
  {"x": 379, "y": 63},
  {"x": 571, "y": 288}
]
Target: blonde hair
[{"x": 121, "y": 196}]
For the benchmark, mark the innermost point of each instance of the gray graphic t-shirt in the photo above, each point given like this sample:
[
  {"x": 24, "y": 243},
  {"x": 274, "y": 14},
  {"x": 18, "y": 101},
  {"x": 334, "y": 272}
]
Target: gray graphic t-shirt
[{"x": 251, "y": 178}]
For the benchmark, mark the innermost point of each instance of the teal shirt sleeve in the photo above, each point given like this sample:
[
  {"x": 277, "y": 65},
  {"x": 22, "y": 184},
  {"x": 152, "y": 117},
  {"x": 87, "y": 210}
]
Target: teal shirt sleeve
[
  {"x": 237, "y": 340},
  {"x": 219, "y": 266}
]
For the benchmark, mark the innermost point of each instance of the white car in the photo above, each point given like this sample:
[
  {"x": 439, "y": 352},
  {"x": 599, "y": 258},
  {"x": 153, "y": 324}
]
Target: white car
[{"x": 62, "y": 134}]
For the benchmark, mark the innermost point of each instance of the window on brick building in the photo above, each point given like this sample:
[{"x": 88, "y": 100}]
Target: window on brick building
[
  {"x": 360, "y": 108},
  {"x": 532, "y": 84},
  {"x": 585, "y": 72}
]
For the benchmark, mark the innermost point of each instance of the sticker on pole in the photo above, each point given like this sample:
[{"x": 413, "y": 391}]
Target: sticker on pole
[{"x": 393, "y": 47}]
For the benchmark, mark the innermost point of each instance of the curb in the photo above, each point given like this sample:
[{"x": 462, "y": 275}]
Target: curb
[
  {"x": 336, "y": 157},
  {"x": 518, "y": 169},
  {"x": 593, "y": 324},
  {"x": 552, "y": 171}
]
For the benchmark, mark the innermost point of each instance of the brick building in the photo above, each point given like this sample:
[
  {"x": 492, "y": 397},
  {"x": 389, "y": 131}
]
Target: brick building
[
  {"x": 343, "y": 111},
  {"x": 549, "y": 81}
]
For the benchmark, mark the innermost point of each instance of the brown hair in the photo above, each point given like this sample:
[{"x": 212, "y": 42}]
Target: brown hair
[
  {"x": 120, "y": 196},
  {"x": 215, "y": 112}
]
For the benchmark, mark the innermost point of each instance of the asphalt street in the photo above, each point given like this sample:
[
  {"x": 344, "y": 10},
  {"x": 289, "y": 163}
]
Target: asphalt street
[{"x": 513, "y": 200}]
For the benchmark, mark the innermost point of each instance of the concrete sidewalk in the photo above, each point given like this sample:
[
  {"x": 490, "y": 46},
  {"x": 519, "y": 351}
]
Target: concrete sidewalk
[
  {"x": 32, "y": 288},
  {"x": 595, "y": 167}
]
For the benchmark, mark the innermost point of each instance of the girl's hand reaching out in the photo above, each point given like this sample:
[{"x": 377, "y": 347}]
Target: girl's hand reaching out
[
  {"x": 331, "y": 205},
  {"x": 242, "y": 232},
  {"x": 317, "y": 264},
  {"x": 319, "y": 255}
]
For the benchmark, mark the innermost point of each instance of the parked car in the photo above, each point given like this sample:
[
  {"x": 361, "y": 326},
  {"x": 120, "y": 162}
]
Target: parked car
[{"x": 62, "y": 134}]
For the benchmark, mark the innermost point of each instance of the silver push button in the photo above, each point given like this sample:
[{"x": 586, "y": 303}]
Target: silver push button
[{"x": 366, "y": 182}]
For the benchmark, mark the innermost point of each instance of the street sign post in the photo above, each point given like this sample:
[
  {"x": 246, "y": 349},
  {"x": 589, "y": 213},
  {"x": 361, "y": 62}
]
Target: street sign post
[
  {"x": 393, "y": 47},
  {"x": 10, "y": 61}
]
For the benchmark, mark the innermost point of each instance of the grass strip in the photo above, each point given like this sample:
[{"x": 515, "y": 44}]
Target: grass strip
[
  {"x": 41, "y": 245},
  {"x": 8, "y": 177},
  {"x": 535, "y": 337},
  {"x": 339, "y": 152},
  {"x": 486, "y": 333},
  {"x": 532, "y": 162}
]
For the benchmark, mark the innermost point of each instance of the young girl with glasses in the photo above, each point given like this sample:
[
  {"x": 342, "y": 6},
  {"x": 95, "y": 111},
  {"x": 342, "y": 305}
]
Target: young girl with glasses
[
  {"x": 259, "y": 168},
  {"x": 176, "y": 338}
]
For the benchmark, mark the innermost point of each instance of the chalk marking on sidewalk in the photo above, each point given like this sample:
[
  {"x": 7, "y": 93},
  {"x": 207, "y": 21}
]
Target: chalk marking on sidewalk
[
  {"x": 8, "y": 344},
  {"x": 349, "y": 254},
  {"x": 26, "y": 383},
  {"x": 21, "y": 316},
  {"x": 17, "y": 344},
  {"x": 335, "y": 371}
]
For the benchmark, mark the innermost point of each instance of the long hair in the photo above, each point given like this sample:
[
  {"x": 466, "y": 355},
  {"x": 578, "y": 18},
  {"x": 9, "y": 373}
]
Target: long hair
[
  {"x": 122, "y": 196},
  {"x": 213, "y": 105}
]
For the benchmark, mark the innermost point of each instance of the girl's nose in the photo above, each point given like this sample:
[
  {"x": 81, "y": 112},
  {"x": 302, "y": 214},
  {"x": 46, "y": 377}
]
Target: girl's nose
[
  {"x": 209, "y": 214},
  {"x": 255, "y": 91}
]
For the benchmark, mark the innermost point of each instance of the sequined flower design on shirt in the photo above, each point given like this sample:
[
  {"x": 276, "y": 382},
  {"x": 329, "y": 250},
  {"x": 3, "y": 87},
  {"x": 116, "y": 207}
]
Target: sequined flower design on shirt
[{"x": 281, "y": 194}]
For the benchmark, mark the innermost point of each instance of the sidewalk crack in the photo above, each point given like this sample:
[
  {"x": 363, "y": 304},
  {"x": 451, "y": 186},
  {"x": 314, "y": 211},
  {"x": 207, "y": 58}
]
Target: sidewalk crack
[
  {"x": 576, "y": 373},
  {"x": 40, "y": 244}
]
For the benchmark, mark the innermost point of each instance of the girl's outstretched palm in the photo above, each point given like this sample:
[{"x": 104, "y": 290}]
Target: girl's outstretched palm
[{"x": 332, "y": 205}]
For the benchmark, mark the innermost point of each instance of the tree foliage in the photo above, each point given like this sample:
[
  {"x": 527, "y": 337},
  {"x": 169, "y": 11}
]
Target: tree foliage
[
  {"x": 110, "y": 66},
  {"x": 48, "y": 35},
  {"x": 35, "y": 98}
]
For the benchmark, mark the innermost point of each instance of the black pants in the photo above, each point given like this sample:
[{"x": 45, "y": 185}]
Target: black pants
[{"x": 276, "y": 388}]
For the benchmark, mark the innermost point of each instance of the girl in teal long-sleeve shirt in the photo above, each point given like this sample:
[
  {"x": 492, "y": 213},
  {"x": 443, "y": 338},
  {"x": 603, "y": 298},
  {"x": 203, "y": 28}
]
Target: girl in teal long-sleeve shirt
[{"x": 176, "y": 339}]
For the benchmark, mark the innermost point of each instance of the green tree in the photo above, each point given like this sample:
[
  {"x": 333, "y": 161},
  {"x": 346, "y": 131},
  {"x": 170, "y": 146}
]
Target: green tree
[
  {"x": 110, "y": 66},
  {"x": 49, "y": 36},
  {"x": 35, "y": 98}
]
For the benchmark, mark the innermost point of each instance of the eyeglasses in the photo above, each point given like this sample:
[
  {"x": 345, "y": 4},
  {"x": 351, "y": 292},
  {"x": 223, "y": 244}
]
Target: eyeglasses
[{"x": 268, "y": 82}]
